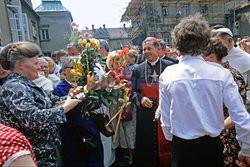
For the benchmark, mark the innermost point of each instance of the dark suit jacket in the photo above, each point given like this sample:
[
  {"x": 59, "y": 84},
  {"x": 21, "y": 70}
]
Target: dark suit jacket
[{"x": 171, "y": 59}]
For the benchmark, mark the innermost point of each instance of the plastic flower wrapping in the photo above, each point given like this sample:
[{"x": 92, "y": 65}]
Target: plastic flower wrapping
[{"x": 99, "y": 87}]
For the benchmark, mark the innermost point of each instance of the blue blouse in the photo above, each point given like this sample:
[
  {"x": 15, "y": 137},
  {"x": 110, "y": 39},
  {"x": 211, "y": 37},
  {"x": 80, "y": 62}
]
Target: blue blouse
[{"x": 62, "y": 89}]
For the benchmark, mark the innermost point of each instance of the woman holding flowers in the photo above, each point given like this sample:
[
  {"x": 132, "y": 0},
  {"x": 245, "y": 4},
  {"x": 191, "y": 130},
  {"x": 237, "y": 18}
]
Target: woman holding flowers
[
  {"x": 101, "y": 88},
  {"x": 125, "y": 137},
  {"x": 26, "y": 107}
]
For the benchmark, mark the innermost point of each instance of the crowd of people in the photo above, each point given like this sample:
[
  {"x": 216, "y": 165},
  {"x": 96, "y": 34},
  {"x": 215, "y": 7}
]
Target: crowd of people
[{"x": 188, "y": 103}]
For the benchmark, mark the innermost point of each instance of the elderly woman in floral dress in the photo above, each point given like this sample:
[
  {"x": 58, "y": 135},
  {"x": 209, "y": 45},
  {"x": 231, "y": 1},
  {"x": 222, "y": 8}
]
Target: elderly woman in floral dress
[
  {"x": 28, "y": 108},
  {"x": 215, "y": 53}
]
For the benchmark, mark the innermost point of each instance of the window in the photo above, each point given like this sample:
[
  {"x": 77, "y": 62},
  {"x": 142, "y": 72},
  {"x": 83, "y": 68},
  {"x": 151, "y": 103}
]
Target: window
[
  {"x": 185, "y": 10},
  {"x": 34, "y": 32},
  {"x": 164, "y": 10},
  {"x": 25, "y": 26},
  {"x": 204, "y": 9},
  {"x": 48, "y": 54},
  {"x": 18, "y": 23},
  {"x": 168, "y": 40},
  {"x": 44, "y": 34},
  {"x": 16, "y": 31}
]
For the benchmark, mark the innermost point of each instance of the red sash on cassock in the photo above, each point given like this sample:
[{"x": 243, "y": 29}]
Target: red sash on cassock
[
  {"x": 164, "y": 146},
  {"x": 150, "y": 91}
]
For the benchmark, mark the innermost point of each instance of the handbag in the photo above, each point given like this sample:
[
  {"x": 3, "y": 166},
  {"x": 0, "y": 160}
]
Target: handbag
[
  {"x": 102, "y": 120},
  {"x": 127, "y": 112}
]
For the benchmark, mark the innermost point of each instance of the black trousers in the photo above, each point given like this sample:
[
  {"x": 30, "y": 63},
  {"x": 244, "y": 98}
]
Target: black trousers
[{"x": 200, "y": 152}]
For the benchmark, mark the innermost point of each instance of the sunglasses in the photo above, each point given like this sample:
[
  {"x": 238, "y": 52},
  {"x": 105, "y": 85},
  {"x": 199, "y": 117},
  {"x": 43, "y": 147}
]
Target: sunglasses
[{"x": 70, "y": 67}]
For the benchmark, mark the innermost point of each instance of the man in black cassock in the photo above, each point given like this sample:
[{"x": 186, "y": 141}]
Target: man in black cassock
[{"x": 145, "y": 80}]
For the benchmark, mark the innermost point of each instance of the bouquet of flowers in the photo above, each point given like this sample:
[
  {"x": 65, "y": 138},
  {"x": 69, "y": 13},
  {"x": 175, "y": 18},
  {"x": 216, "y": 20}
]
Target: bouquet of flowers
[{"x": 99, "y": 87}]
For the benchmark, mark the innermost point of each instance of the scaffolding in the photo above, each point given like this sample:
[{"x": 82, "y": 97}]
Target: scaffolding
[{"x": 158, "y": 17}]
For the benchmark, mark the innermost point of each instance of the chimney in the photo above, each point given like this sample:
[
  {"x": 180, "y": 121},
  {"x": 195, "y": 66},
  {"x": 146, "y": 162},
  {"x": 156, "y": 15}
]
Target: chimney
[
  {"x": 104, "y": 26},
  {"x": 93, "y": 27}
]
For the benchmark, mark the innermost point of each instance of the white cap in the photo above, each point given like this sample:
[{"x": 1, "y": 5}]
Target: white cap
[{"x": 225, "y": 30}]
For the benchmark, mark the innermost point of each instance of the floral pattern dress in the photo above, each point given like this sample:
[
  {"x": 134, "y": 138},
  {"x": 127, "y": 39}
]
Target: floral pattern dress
[
  {"x": 228, "y": 136},
  {"x": 31, "y": 110}
]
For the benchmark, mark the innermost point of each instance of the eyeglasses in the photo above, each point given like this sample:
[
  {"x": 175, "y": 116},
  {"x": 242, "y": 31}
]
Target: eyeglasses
[{"x": 70, "y": 67}]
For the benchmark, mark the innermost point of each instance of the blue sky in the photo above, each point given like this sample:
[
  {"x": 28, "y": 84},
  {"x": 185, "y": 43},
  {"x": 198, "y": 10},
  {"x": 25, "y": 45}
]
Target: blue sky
[{"x": 97, "y": 12}]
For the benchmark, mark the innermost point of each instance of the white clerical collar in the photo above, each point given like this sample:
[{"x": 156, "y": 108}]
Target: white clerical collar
[
  {"x": 163, "y": 56},
  {"x": 153, "y": 63}
]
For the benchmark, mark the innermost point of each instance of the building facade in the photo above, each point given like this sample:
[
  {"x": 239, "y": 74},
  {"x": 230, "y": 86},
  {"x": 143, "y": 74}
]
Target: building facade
[
  {"x": 19, "y": 22},
  {"x": 238, "y": 19},
  {"x": 5, "y": 32},
  {"x": 158, "y": 17},
  {"x": 54, "y": 26},
  {"x": 116, "y": 37}
]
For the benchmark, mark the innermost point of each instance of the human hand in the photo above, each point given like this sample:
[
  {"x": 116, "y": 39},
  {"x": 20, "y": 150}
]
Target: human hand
[
  {"x": 243, "y": 161},
  {"x": 244, "y": 46},
  {"x": 73, "y": 92},
  {"x": 228, "y": 123},
  {"x": 70, "y": 104},
  {"x": 146, "y": 102}
]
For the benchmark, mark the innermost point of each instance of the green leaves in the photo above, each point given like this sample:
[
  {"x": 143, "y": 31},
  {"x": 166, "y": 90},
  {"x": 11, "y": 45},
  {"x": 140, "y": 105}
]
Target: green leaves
[{"x": 105, "y": 89}]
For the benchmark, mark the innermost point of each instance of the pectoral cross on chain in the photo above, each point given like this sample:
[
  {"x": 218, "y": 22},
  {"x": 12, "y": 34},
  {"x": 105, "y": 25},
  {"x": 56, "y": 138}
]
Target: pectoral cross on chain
[{"x": 154, "y": 76}]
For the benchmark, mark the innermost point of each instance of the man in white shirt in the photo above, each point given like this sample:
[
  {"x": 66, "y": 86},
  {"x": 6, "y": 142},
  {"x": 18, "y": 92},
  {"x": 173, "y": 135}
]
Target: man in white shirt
[
  {"x": 45, "y": 69},
  {"x": 42, "y": 81},
  {"x": 192, "y": 94},
  {"x": 237, "y": 58}
]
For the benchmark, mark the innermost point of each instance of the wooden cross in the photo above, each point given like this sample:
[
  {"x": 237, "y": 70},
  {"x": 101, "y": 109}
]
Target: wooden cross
[{"x": 154, "y": 76}]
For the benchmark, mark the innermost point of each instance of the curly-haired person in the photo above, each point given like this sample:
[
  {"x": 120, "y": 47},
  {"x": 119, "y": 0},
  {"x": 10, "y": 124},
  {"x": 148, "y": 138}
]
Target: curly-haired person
[{"x": 192, "y": 94}]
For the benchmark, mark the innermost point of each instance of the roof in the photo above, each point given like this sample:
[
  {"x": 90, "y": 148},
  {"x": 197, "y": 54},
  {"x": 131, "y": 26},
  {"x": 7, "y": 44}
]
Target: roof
[
  {"x": 117, "y": 32},
  {"x": 51, "y": 5},
  {"x": 111, "y": 33},
  {"x": 29, "y": 7}
]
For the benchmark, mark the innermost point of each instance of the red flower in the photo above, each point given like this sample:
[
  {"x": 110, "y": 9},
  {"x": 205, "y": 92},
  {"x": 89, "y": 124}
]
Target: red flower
[
  {"x": 129, "y": 84},
  {"x": 117, "y": 80},
  {"x": 120, "y": 70},
  {"x": 130, "y": 91},
  {"x": 123, "y": 52},
  {"x": 111, "y": 73},
  {"x": 120, "y": 76}
]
